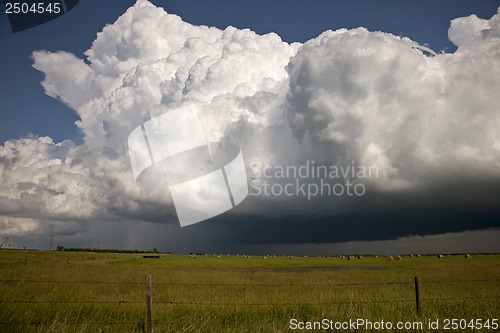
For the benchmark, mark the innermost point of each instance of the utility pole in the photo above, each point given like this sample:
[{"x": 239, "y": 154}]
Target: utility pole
[
  {"x": 98, "y": 245},
  {"x": 51, "y": 241}
]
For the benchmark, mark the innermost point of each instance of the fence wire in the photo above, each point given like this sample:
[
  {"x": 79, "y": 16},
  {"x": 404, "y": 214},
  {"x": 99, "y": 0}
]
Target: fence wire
[
  {"x": 246, "y": 285},
  {"x": 243, "y": 304}
]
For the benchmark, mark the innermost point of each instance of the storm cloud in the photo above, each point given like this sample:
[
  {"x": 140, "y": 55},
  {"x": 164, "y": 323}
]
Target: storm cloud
[{"x": 428, "y": 122}]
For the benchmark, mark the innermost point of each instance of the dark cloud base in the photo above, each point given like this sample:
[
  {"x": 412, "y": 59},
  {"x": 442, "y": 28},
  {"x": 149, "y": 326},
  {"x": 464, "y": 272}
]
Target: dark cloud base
[{"x": 447, "y": 208}]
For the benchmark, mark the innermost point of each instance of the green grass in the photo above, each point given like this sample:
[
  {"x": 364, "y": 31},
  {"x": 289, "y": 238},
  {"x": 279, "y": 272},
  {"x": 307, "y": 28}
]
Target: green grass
[{"x": 105, "y": 292}]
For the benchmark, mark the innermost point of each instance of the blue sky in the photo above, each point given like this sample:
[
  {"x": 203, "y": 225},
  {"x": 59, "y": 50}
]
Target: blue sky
[{"x": 26, "y": 109}]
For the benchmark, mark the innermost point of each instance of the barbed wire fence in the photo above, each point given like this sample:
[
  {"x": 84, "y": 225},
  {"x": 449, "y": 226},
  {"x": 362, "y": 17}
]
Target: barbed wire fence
[{"x": 149, "y": 303}]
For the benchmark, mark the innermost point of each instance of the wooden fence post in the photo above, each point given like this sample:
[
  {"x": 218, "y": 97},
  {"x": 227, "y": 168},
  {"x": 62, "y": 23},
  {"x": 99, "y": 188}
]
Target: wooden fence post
[
  {"x": 149, "y": 304},
  {"x": 417, "y": 295}
]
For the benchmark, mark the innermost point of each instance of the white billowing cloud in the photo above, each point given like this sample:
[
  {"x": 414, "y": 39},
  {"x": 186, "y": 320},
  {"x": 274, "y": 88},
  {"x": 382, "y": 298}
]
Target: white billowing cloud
[
  {"x": 39, "y": 184},
  {"x": 347, "y": 95},
  {"x": 63, "y": 67},
  {"x": 141, "y": 35},
  {"x": 377, "y": 99},
  {"x": 473, "y": 30}
]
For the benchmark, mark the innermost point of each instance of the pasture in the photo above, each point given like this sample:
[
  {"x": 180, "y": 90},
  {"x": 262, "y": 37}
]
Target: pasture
[{"x": 57, "y": 291}]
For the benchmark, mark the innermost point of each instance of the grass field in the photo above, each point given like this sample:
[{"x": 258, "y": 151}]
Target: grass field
[{"x": 105, "y": 292}]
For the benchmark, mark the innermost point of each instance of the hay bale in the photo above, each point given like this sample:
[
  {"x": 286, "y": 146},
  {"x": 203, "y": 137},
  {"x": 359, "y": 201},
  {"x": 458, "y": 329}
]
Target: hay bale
[
  {"x": 467, "y": 256},
  {"x": 397, "y": 258},
  {"x": 389, "y": 258},
  {"x": 350, "y": 258},
  {"x": 440, "y": 256}
]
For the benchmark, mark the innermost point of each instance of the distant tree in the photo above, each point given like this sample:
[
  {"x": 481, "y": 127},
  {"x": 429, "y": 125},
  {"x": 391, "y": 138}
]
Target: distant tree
[{"x": 60, "y": 248}]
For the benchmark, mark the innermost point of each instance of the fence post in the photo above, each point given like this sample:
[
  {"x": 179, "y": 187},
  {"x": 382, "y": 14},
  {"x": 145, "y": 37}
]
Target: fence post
[
  {"x": 417, "y": 295},
  {"x": 149, "y": 305}
]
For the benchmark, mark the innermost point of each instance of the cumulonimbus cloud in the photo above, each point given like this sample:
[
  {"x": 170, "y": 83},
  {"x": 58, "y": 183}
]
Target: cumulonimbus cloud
[{"x": 424, "y": 120}]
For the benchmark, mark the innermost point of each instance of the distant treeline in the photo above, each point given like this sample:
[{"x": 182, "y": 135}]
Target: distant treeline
[{"x": 86, "y": 249}]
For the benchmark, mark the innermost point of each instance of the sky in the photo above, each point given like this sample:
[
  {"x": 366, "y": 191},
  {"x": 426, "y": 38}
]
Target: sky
[{"x": 408, "y": 89}]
